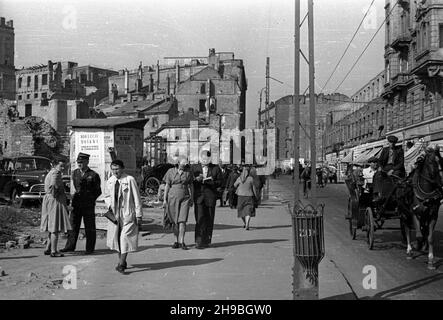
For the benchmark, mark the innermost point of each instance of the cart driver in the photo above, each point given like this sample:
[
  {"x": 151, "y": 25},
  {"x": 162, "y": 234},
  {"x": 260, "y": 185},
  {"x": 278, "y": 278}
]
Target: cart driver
[{"x": 368, "y": 173}]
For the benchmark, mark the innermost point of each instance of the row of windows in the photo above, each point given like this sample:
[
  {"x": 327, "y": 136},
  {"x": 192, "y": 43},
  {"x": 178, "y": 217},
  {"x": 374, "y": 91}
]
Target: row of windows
[
  {"x": 44, "y": 95},
  {"x": 29, "y": 78}
]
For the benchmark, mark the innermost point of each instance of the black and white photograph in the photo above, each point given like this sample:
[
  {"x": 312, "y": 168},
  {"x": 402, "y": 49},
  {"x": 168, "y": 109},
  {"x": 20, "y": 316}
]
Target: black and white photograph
[{"x": 221, "y": 156}]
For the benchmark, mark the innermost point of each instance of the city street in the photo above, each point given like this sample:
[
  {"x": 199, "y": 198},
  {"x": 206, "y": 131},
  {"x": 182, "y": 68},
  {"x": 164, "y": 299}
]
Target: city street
[
  {"x": 397, "y": 277},
  {"x": 254, "y": 264}
]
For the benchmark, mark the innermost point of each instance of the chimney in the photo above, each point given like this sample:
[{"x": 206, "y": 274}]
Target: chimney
[
  {"x": 177, "y": 75},
  {"x": 168, "y": 90},
  {"x": 151, "y": 83},
  {"x": 158, "y": 74},
  {"x": 2, "y": 21},
  {"x": 213, "y": 59},
  {"x": 126, "y": 73}
]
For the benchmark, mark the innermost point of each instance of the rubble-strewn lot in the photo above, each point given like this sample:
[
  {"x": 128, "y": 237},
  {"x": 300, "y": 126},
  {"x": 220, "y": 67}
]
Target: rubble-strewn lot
[{"x": 20, "y": 228}]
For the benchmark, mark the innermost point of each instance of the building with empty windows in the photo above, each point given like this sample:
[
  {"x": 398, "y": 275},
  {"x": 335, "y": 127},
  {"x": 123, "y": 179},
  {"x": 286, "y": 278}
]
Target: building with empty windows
[{"x": 7, "y": 69}]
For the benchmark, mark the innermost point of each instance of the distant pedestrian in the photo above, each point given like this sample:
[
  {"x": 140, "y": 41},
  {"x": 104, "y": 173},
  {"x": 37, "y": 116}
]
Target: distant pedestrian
[
  {"x": 123, "y": 198},
  {"x": 178, "y": 198},
  {"x": 306, "y": 177},
  {"x": 87, "y": 188},
  {"x": 55, "y": 218},
  {"x": 247, "y": 197},
  {"x": 232, "y": 196}
]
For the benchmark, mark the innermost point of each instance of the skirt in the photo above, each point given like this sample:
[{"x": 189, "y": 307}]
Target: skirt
[
  {"x": 245, "y": 206},
  {"x": 55, "y": 217},
  {"x": 178, "y": 204}
]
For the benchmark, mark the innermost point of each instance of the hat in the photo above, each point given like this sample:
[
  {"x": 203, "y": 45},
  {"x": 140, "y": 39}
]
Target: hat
[
  {"x": 83, "y": 156},
  {"x": 392, "y": 139},
  {"x": 373, "y": 159}
]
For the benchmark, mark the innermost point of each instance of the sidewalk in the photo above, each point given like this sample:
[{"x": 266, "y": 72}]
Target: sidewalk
[
  {"x": 332, "y": 284},
  {"x": 252, "y": 265}
]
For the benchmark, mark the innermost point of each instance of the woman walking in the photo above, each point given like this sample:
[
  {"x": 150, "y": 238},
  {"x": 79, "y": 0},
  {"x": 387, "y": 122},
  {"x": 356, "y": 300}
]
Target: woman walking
[
  {"x": 55, "y": 218},
  {"x": 247, "y": 195},
  {"x": 123, "y": 198},
  {"x": 179, "y": 192}
]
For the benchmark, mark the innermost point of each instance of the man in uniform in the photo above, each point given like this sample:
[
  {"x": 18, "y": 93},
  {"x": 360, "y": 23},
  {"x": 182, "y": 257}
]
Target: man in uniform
[
  {"x": 391, "y": 162},
  {"x": 87, "y": 190}
]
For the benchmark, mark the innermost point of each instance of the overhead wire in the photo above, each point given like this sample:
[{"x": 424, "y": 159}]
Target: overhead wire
[
  {"x": 367, "y": 46},
  {"x": 348, "y": 46}
]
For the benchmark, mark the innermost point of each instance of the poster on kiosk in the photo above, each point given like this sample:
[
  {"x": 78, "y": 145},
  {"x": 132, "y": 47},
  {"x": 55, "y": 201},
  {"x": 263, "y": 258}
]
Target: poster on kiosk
[{"x": 99, "y": 138}]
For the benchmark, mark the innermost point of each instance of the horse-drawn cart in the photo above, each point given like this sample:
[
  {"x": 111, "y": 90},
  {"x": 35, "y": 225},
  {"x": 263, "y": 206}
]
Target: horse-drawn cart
[{"x": 368, "y": 214}]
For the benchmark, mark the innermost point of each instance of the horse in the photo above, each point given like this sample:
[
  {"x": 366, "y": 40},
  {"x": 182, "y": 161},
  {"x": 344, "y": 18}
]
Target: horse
[{"x": 423, "y": 199}]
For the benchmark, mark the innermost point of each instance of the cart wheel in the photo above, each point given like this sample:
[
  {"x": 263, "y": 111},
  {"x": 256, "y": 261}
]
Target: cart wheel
[
  {"x": 352, "y": 224},
  {"x": 370, "y": 223},
  {"x": 152, "y": 185}
]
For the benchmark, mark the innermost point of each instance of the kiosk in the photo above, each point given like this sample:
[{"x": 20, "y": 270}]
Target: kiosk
[{"x": 102, "y": 139}]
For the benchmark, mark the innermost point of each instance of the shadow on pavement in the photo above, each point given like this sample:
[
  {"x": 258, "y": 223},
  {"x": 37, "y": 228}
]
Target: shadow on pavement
[
  {"x": 170, "y": 264},
  {"x": 17, "y": 257},
  {"x": 235, "y": 243},
  {"x": 271, "y": 227},
  {"x": 385, "y": 295}
]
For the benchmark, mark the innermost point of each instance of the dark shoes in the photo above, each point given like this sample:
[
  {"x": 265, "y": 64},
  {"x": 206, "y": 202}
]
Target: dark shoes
[
  {"x": 199, "y": 246},
  {"x": 176, "y": 245},
  {"x": 89, "y": 252},
  {"x": 47, "y": 252},
  {"x": 183, "y": 246},
  {"x": 67, "y": 250},
  {"x": 121, "y": 267},
  {"x": 56, "y": 255}
]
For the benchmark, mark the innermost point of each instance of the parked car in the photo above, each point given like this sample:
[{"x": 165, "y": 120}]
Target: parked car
[
  {"x": 153, "y": 178},
  {"x": 22, "y": 178}
]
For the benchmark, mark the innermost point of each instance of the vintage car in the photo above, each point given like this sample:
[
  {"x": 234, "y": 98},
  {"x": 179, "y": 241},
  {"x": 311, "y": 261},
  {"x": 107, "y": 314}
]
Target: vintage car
[{"x": 22, "y": 178}]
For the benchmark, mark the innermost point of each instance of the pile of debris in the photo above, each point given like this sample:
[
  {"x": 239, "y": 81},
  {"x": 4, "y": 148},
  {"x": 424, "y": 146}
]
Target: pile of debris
[{"x": 19, "y": 228}]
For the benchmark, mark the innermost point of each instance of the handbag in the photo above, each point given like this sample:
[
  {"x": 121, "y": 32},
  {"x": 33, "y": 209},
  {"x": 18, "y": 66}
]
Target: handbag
[{"x": 110, "y": 216}]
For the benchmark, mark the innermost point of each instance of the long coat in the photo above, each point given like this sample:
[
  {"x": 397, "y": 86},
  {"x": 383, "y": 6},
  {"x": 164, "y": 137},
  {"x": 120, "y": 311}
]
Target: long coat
[{"x": 127, "y": 209}]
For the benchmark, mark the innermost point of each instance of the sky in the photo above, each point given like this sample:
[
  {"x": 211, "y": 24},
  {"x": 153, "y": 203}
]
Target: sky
[{"x": 118, "y": 34}]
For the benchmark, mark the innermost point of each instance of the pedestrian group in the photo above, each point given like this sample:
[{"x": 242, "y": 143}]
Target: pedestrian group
[{"x": 186, "y": 186}]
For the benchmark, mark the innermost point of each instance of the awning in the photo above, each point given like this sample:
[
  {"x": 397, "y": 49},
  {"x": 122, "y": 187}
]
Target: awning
[
  {"x": 347, "y": 158},
  {"x": 375, "y": 152},
  {"x": 412, "y": 154},
  {"x": 363, "y": 157}
]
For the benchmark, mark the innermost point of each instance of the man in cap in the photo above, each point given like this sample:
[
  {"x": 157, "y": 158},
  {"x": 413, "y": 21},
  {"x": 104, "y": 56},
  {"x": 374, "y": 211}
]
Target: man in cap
[
  {"x": 87, "y": 189},
  {"x": 391, "y": 161},
  {"x": 207, "y": 178}
]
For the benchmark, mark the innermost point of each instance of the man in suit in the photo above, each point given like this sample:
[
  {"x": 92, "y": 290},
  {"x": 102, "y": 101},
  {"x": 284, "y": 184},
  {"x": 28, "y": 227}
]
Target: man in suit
[
  {"x": 391, "y": 161},
  {"x": 207, "y": 178},
  {"x": 87, "y": 190}
]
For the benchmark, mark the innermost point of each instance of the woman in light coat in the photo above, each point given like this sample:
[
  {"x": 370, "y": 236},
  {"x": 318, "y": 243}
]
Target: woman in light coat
[
  {"x": 55, "y": 218},
  {"x": 123, "y": 198}
]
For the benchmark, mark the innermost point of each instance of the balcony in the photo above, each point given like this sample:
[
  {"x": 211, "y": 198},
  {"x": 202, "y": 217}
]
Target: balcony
[
  {"x": 401, "y": 42},
  {"x": 400, "y": 80}
]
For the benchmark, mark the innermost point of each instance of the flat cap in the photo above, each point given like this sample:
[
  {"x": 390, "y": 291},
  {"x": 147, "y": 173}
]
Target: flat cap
[
  {"x": 83, "y": 156},
  {"x": 392, "y": 139},
  {"x": 373, "y": 160}
]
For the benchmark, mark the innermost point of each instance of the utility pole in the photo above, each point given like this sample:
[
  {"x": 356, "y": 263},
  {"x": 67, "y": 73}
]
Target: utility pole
[
  {"x": 312, "y": 101},
  {"x": 267, "y": 88},
  {"x": 298, "y": 274}
]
